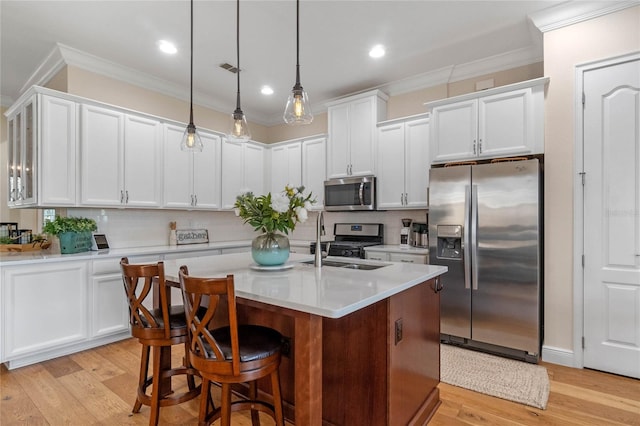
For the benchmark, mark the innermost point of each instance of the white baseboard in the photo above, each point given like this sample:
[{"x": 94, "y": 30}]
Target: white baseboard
[{"x": 559, "y": 356}]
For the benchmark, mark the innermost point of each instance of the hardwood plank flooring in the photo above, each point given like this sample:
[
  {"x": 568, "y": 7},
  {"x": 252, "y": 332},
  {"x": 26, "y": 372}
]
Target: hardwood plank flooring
[{"x": 97, "y": 387}]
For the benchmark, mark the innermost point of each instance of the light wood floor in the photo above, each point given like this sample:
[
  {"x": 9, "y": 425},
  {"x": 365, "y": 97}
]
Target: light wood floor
[{"x": 97, "y": 387}]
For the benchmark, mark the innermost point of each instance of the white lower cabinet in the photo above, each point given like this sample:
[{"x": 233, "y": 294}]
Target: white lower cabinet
[
  {"x": 110, "y": 310},
  {"x": 44, "y": 307}
]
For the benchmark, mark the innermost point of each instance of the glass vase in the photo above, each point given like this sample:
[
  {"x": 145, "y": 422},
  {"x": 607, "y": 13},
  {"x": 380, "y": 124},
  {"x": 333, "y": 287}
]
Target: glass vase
[{"x": 270, "y": 249}]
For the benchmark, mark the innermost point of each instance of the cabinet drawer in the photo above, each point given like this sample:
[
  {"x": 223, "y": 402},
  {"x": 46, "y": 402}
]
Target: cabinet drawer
[
  {"x": 408, "y": 258},
  {"x": 376, "y": 255},
  {"x": 106, "y": 266}
]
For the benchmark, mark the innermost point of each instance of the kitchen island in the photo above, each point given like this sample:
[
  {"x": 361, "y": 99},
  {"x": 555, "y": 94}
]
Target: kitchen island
[{"x": 364, "y": 345}]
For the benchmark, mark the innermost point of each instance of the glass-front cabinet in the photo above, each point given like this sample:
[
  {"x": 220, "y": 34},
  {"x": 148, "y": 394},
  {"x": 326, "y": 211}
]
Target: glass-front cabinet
[{"x": 22, "y": 154}]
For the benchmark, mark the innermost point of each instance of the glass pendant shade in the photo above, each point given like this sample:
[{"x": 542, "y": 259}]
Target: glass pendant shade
[
  {"x": 298, "y": 110},
  {"x": 238, "y": 127},
  {"x": 191, "y": 139}
]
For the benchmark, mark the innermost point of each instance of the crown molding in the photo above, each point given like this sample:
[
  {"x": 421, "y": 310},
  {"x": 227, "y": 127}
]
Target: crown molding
[{"x": 573, "y": 12}]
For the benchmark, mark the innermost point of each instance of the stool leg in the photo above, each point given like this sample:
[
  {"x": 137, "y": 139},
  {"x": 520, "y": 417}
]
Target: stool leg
[
  {"x": 144, "y": 369},
  {"x": 277, "y": 398},
  {"x": 155, "y": 392},
  {"x": 204, "y": 401},
  {"x": 225, "y": 420},
  {"x": 253, "y": 395}
]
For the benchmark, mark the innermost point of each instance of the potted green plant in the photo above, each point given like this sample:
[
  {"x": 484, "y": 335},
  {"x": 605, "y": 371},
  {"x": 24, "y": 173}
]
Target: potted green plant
[{"x": 74, "y": 233}]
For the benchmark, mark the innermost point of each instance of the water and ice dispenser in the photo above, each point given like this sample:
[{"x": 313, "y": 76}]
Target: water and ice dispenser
[{"x": 449, "y": 242}]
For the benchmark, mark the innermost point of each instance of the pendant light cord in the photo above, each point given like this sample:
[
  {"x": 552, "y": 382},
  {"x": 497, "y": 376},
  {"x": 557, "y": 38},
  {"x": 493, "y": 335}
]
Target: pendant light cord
[
  {"x": 238, "y": 110},
  {"x": 191, "y": 76},
  {"x": 297, "y": 86}
]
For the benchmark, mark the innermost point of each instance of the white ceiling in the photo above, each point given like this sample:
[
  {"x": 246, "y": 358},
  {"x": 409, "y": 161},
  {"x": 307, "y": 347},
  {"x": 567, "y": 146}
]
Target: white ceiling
[{"x": 425, "y": 40}]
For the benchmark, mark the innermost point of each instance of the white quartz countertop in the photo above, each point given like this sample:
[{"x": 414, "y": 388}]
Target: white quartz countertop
[
  {"x": 329, "y": 291},
  {"x": 45, "y": 256},
  {"x": 398, "y": 249}
]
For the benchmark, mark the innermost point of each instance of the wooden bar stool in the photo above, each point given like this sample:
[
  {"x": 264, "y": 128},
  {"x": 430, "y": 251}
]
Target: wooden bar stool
[
  {"x": 230, "y": 354},
  {"x": 156, "y": 329}
]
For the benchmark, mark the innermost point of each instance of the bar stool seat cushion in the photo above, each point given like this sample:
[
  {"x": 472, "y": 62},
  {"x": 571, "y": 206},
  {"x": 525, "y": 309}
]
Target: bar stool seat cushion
[{"x": 256, "y": 342}]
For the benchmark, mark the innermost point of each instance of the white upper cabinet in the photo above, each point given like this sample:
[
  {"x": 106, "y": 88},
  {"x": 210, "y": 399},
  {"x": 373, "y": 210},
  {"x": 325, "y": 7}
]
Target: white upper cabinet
[
  {"x": 352, "y": 134},
  {"x": 286, "y": 166},
  {"x": 121, "y": 158},
  {"x": 403, "y": 164},
  {"x": 191, "y": 179},
  {"x": 314, "y": 168},
  {"x": 41, "y": 163},
  {"x": 242, "y": 170},
  {"x": 500, "y": 122}
]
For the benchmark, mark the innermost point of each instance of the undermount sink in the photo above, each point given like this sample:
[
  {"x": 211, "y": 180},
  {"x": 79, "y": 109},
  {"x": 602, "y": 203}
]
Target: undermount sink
[{"x": 348, "y": 265}]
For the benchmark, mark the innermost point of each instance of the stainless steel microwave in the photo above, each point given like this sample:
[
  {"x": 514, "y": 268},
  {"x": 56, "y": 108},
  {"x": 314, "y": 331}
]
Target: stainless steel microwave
[{"x": 350, "y": 194}]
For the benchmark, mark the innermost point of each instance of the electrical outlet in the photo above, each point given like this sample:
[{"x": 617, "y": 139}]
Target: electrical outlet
[
  {"x": 286, "y": 347},
  {"x": 398, "y": 330}
]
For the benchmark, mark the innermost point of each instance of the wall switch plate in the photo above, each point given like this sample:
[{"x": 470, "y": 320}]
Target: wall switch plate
[{"x": 398, "y": 330}]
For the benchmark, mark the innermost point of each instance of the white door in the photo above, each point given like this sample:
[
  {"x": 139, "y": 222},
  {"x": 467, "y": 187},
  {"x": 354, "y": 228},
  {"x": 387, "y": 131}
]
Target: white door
[
  {"x": 206, "y": 173},
  {"x": 314, "y": 169},
  {"x": 390, "y": 183},
  {"x": 142, "y": 161},
  {"x": 612, "y": 218},
  {"x": 417, "y": 162}
]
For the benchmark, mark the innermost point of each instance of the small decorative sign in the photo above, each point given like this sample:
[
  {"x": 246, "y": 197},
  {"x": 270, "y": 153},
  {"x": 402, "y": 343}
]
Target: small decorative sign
[{"x": 192, "y": 236}]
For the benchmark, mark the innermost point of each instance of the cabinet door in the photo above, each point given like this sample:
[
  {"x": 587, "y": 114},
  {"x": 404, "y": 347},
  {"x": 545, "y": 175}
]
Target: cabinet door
[
  {"x": 417, "y": 163},
  {"x": 110, "y": 310},
  {"x": 232, "y": 173},
  {"x": 286, "y": 166},
  {"x": 391, "y": 167},
  {"x": 314, "y": 169},
  {"x": 44, "y": 306},
  {"x": 28, "y": 172},
  {"x": 206, "y": 173},
  {"x": 453, "y": 131},
  {"x": 338, "y": 160},
  {"x": 504, "y": 124},
  {"x": 57, "y": 164},
  {"x": 13, "y": 137},
  {"x": 254, "y": 168},
  {"x": 178, "y": 170},
  {"x": 362, "y": 121},
  {"x": 102, "y": 156},
  {"x": 142, "y": 162}
]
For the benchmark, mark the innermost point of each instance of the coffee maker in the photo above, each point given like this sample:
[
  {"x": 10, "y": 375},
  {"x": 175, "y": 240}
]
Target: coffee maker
[{"x": 405, "y": 233}]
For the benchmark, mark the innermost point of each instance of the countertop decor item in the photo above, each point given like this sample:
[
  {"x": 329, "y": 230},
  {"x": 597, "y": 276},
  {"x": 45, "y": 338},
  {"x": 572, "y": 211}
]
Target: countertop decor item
[
  {"x": 273, "y": 214},
  {"x": 74, "y": 233}
]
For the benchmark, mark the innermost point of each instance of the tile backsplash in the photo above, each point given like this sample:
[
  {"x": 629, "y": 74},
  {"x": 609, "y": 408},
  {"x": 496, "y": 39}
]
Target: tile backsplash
[{"x": 142, "y": 228}]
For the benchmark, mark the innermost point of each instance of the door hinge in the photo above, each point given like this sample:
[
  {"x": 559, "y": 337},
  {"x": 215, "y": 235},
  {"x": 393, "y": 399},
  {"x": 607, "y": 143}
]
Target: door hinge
[{"x": 582, "y": 176}]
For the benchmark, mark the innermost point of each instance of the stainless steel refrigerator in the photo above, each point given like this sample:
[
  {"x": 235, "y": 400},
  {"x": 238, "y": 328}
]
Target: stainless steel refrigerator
[{"x": 485, "y": 224}]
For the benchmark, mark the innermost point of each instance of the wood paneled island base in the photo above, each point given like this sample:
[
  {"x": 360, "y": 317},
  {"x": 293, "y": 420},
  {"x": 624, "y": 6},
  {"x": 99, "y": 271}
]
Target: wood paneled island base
[{"x": 379, "y": 365}]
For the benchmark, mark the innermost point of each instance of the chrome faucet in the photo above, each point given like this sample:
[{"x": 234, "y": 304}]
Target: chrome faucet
[{"x": 317, "y": 262}]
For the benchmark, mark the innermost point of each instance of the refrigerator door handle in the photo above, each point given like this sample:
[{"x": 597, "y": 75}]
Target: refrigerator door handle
[
  {"x": 474, "y": 234},
  {"x": 465, "y": 239}
]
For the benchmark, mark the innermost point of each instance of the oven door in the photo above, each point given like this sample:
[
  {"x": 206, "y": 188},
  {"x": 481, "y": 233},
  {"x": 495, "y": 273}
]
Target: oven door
[{"x": 349, "y": 194}]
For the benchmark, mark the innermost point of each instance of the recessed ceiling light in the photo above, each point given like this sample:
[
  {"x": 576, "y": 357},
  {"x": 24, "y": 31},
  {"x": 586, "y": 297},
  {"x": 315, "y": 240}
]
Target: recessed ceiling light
[
  {"x": 266, "y": 90},
  {"x": 377, "y": 51},
  {"x": 167, "y": 47}
]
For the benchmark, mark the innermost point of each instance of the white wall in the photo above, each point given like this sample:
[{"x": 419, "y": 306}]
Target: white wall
[{"x": 564, "y": 48}]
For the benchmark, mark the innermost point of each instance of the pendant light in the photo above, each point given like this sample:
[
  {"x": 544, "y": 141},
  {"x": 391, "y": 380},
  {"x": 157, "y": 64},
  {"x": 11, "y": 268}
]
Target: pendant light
[
  {"x": 239, "y": 129},
  {"x": 298, "y": 110},
  {"x": 191, "y": 139}
]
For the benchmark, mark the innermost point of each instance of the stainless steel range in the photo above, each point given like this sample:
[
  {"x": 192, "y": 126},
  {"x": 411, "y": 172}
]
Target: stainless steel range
[{"x": 350, "y": 239}]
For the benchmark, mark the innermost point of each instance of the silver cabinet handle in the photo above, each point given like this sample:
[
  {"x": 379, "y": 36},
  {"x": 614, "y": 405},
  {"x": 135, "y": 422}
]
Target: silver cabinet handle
[
  {"x": 474, "y": 147},
  {"x": 401, "y": 199},
  {"x": 195, "y": 200},
  {"x": 121, "y": 197},
  {"x": 126, "y": 200},
  {"x": 480, "y": 146}
]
